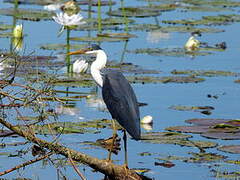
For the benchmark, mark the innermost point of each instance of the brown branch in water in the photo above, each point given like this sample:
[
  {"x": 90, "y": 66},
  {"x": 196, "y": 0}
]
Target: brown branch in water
[
  {"x": 26, "y": 163},
  {"x": 75, "y": 168},
  {"x": 113, "y": 171},
  {"x": 10, "y": 96}
]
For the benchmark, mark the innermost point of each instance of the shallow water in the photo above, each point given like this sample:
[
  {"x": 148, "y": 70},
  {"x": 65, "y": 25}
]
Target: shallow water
[{"x": 159, "y": 96}]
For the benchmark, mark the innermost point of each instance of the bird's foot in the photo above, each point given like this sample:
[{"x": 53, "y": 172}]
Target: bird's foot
[{"x": 112, "y": 144}]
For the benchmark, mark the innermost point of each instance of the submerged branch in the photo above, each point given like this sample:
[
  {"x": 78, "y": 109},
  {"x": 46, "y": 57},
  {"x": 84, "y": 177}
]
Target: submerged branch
[{"x": 113, "y": 171}]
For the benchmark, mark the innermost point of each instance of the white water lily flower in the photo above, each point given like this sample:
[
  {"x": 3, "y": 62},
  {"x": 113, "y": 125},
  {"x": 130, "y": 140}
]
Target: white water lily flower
[
  {"x": 192, "y": 44},
  {"x": 66, "y": 20},
  {"x": 18, "y": 43},
  {"x": 147, "y": 120},
  {"x": 80, "y": 66},
  {"x": 18, "y": 31},
  {"x": 52, "y": 7}
]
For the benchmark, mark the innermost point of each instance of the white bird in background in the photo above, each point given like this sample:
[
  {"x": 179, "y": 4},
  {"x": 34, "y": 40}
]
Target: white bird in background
[{"x": 80, "y": 66}]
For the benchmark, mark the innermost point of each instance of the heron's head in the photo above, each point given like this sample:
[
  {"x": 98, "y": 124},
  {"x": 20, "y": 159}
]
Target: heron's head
[{"x": 92, "y": 49}]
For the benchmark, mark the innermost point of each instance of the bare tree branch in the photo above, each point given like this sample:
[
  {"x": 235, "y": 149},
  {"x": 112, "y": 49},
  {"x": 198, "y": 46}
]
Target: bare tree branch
[{"x": 115, "y": 172}]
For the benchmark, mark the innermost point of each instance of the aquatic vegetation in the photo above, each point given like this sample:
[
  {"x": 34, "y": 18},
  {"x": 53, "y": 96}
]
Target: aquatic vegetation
[
  {"x": 139, "y": 12},
  {"x": 27, "y": 14},
  {"x": 207, "y": 73},
  {"x": 211, "y": 128}
]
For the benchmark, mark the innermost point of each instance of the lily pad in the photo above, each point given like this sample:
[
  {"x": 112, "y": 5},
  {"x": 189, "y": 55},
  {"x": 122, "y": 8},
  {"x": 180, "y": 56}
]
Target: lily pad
[
  {"x": 72, "y": 127},
  {"x": 124, "y": 36},
  {"x": 205, "y": 158},
  {"x": 230, "y": 149},
  {"x": 6, "y": 35},
  {"x": 97, "y": 39},
  {"x": 222, "y": 135},
  {"x": 207, "y": 122},
  {"x": 60, "y": 46},
  {"x": 191, "y": 108},
  {"x": 225, "y": 174},
  {"x": 162, "y": 7},
  {"x": 177, "y": 52},
  {"x": 189, "y": 129},
  {"x": 4, "y": 27},
  {"x": 190, "y": 29},
  {"x": 207, "y": 73},
  {"x": 174, "y": 138},
  {"x": 163, "y": 136},
  {"x": 173, "y": 79},
  {"x": 220, "y": 3},
  {"x": 205, "y": 8},
  {"x": 40, "y": 2},
  {"x": 27, "y": 14},
  {"x": 134, "y": 12},
  {"x": 207, "y": 20}
]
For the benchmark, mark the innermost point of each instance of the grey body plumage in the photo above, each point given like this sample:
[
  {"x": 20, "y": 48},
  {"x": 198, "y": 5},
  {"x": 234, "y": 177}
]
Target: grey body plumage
[{"x": 121, "y": 101}]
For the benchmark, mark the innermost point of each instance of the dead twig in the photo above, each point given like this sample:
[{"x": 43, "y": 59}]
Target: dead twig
[
  {"x": 26, "y": 163},
  {"x": 75, "y": 168},
  {"x": 111, "y": 170}
]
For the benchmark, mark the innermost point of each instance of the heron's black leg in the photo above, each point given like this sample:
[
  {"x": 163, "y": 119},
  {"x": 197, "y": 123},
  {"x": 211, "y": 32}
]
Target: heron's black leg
[
  {"x": 113, "y": 139},
  {"x": 125, "y": 148}
]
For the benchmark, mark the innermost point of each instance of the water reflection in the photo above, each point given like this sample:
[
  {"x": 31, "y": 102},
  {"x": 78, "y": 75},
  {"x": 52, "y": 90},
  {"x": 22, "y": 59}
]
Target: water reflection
[
  {"x": 156, "y": 36},
  {"x": 69, "y": 109},
  {"x": 94, "y": 101}
]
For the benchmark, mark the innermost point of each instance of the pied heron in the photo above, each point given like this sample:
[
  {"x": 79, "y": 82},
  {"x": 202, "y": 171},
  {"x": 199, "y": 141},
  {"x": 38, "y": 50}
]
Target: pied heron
[{"x": 117, "y": 94}]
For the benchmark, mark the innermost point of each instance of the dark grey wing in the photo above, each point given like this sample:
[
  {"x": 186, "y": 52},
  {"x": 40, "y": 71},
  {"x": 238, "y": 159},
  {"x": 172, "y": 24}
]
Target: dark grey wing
[{"x": 121, "y": 102}]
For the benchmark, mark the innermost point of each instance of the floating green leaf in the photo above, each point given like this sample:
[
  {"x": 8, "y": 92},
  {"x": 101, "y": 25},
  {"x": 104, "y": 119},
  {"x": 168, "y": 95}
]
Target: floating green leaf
[
  {"x": 189, "y": 129},
  {"x": 226, "y": 174},
  {"x": 230, "y": 135},
  {"x": 4, "y": 27},
  {"x": 177, "y": 52},
  {"x": 207, "y": 20},
  {"x": 205, "y": 157},
  {"x": 173, "y": 79},
  {"x": 230, "y": 149},
  {"x": 60, "y": 46},
  {"x": 190, "y": 29},
  {"x": 221, "y": 3},
  {"x": 174, "y": 138},
  {"x": 72, "y": 127},
  {"x": 208, "y": 73},
  {"x": 191, "y": 108},
  {"x": 97, "y": 39},
  {"x": 41, "y": 2},
  {"x": 206, "y": 122},
  {"x": 134, "y": 12},
  {"x": 27, "y": 14}
]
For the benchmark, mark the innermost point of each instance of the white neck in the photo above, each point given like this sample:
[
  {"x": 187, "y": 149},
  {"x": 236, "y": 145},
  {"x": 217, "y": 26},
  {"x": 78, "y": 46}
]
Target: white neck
[{"x": 97, "y": 65}]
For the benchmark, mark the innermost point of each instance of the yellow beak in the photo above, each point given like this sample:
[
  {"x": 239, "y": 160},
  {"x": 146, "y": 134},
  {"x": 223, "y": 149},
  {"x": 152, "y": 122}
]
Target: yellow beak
[{"x": 81, "y": 51}]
